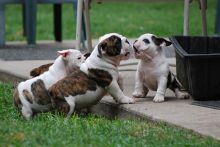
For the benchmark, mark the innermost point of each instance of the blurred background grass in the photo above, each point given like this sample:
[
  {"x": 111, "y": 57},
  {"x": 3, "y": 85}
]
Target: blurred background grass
[{"x": 129, "y": 19}]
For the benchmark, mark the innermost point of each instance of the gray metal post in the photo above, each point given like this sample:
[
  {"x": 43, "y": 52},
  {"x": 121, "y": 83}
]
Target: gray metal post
[
  {"x": 23, "y": 20},
  {"x": 203, "y": 4},
  {"x": 31, "y": 16},
  {"x": 2, "y": 25},
  {"x": 186, "y": 18},
  {"x": 217, "y": 20},
  {"x": 57, "y": 21}
]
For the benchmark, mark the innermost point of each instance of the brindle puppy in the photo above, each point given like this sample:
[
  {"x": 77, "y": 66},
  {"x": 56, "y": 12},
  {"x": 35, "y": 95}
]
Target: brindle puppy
[
  {"x": 98, "y": 75},
  {"x": 32, "y": 95}
]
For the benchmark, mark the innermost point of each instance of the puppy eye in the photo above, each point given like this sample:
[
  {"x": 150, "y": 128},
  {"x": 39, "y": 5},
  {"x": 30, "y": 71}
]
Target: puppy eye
[
  {"x": 146, "y": 41},
  {"x": 79, "y": 58}
]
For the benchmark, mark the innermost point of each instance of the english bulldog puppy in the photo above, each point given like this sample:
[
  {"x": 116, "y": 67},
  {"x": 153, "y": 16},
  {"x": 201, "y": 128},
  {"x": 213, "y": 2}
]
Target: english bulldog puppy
[
  {"x": 98, "y": 75},
  {"x": 43, "y": 68},
  {"x": 153, "y": 69},
  {"x": 32, "y": 95}
]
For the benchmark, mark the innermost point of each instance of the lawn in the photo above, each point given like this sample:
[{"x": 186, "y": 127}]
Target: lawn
[
  {"x": 50, "y": 129},
  {"x": 129, "y": 19}
]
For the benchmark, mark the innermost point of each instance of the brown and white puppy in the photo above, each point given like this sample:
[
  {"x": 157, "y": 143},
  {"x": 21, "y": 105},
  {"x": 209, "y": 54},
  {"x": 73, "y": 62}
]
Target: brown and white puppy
[
  {"x": 153, "y": 69},
  {"x": 32, "y": 95},
  {"x": 98, "y": 75},
  {"x": 43, "y": 68}
]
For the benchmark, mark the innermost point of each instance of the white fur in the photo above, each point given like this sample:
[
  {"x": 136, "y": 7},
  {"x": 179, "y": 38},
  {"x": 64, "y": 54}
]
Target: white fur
[
  {"x": 153, "y": 69},
  {"x": 108, "y": 64},
  {"x": 61, "y": 67}
]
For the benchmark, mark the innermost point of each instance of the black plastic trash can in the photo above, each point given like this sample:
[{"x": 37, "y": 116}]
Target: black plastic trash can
[{"x": 198, "y": 65}]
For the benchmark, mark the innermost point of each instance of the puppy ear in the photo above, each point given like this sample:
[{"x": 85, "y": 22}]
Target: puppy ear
[
  {"x": 86, "y": 55},
  {"x": 64, "y": 53},
  {"x": 40, "y": 70},
  {"x": 161, "y": 41},
  {"x": 101, "y": 48},
  {"x": 113, "y": 46}
]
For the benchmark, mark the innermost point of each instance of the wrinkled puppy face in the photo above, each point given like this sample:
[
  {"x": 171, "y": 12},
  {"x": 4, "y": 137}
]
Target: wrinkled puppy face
[
  {"x": 72, "y": 58},
  {"x": 148, "y": 44},
  {"x": 41, "y": 69},
  {"x": 114, "y": 45},
  {"x": 75, "y": 58}
]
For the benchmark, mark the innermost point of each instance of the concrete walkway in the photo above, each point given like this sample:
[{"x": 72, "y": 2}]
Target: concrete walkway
[{"x": 180, "y": 113}]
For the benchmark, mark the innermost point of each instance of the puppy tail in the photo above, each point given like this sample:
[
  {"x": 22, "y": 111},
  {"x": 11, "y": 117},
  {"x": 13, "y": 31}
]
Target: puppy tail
[
  {"x": 174, "y": 83},
  {"x": 16, "y": 99}
]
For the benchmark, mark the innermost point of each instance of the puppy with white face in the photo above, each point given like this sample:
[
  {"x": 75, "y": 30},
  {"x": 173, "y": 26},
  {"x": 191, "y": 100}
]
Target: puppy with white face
[
  {"x": 43, "y": 68},
  {"x": 153, "y": 69},
  {"x": 98, "y": 75},
  {"x": 32, "y": 95}
]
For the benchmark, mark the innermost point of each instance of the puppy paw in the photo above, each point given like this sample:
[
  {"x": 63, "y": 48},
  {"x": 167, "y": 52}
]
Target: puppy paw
[
  {"x": 182, "y": 95},
  {"x": 126, "y": 100},
  {"x": 158, "y": 98},
  {"x": 138, "y": 94}
]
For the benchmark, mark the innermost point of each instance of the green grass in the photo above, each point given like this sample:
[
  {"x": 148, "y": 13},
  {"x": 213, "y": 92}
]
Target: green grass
[
  {"x": 129, "y": 19},
  {"x": 50, "y": 129}
]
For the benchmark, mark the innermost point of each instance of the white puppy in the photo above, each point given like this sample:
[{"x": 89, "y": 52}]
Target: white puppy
[
  {"x": 32, "y": 95},
  {"x": 98, "y": 75},
  {"x": 153, "y": 69}
]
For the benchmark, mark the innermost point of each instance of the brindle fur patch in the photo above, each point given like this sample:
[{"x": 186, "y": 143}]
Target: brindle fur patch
[
  {"x": 86, "y": 55},
  {"x": 103, "y": 78},
  {"x": 40, "y": 93},
  {"x": 16, "y": 99},
  {"x": 39, "y": 70},
  {"x": 28, "y": 96},
  {"x": 112, "y": 46},
  {"x": 74, "y": 84}
]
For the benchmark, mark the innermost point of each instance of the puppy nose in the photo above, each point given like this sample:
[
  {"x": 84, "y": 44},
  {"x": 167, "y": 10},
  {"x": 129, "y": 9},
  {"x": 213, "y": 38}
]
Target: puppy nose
[
  {"x": 127, "y": 53},
  {"x": 134, "y": 46},
  {"x": 127, "y": 41}
]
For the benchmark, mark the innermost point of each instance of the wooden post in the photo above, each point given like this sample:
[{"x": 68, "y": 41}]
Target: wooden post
[
  {"x": 79, "y": 23},
  {"x": 87, "y": 25}
]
